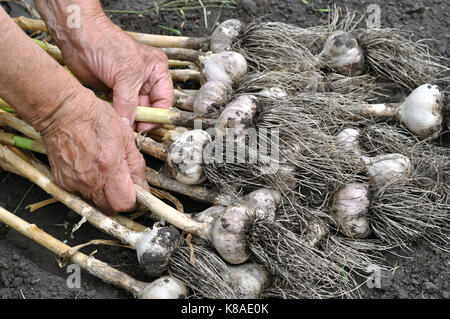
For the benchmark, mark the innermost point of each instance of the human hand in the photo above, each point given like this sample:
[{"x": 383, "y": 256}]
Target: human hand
[
  {"x": 105, "y": 57},
  {"x": 92, "y": 151}
]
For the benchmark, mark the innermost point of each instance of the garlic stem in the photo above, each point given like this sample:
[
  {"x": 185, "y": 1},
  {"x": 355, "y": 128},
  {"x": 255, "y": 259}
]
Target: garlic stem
[
  {"x": 95, "y": 266},
  {"x": 148, "y": 39}
]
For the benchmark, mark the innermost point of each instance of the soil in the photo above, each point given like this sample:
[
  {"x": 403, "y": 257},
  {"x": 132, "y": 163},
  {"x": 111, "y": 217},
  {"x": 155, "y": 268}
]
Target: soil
[{"x": 29, "y": 271}]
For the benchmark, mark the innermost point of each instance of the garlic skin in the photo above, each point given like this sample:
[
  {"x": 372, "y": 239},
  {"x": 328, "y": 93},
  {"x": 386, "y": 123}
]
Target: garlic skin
[
  {"x": 288, "y": 181},
  {"x": 421, "y": 112},
  {"x": 381, "y": 169},
  {"x": 208, "y": 216},
  {"x": 212, "y": 92},
  {"x": 316, "y": 81},
  {"x": 388, "y": 169},
  {"x": 238, "y": 114},
  {"x": 349, "y": 139},
  {"x": 223, "y": 36},
  {"x": 185, "y": 102},
  {"x": 263, "y": 202},
  {"x": 249, "y": 280},
  {"x": 185, "y": 157},
  {"x": 228, "y": 235},
  {"x": 316, "y": 231},
  {"x": 173, "y": 134},
  {"x": 225, "y": 67},
  {"x": 272, "y": 93},
  {"x": 350, "y": 210},
  {"x": 342, "y": 53},
  {"x": 155, "y": 248},
  {"x": 165, "y": 288}
]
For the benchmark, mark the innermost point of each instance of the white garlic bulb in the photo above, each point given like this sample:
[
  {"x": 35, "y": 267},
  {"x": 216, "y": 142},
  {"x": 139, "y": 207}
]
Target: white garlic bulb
[
  {"x": 228, "y": 234},
  {"x": 249, "y": 280},
  {"x": 212, "y": 92},
  {"x": 421, "y": 112},
  {"x": 238, "y": 114},
  {"x": 185, "y": 157},
  {"x": 263, "y": 202},
  {"x": 226, "y": 67},
  {"x": 350, "y": 210},
  {"x": 223, "y": 36},
  {"x": 388, "y": 169},
  {"x": 165, "y": 288},
  {"x": 342, "y": 53}
]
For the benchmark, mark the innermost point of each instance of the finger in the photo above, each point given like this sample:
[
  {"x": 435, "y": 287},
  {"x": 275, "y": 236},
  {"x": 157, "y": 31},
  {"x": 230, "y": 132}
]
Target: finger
[
  {"x": 136, "y": 164},
  {"x": 145, "y": 126},
  {"x": 144, "y": 100},
  {"x": 66, "y": 183},
  {"x": 161, "y": 95},
  {"x": 99, "y": 199},
  {"x": 161, "y": 90},
  {"x": 96, "y": 195},
  {"x": 119, "y": 189},
  {"x": 125, "y": 101}
]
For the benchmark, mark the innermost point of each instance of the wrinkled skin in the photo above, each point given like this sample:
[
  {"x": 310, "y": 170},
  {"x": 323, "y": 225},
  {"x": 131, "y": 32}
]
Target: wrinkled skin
[
  {"x": 103, "y": 56},
  {"x": 89, "y": 157},
  {"x": 91, "y": 149},
  {"x": 138, "y": 75}
]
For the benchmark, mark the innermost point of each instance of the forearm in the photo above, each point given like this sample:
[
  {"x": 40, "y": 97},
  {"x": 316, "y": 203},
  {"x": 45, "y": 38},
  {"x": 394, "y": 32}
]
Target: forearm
[{"x": 30, "y": 80}]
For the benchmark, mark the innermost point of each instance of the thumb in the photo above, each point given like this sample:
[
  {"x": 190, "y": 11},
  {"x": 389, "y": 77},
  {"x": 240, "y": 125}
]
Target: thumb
[{"x": 125, "y": 101}]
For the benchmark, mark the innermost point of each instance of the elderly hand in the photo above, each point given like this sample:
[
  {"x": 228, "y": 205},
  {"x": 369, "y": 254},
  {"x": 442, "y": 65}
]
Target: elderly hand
[
  {"x": 103, "y": 56},
  {"x": 92, "y": 151}
]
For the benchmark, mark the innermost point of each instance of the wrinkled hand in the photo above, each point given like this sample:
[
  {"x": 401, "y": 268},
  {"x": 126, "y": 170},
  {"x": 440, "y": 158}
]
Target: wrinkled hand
[
  {"x": 105, "y": 57},
  {"x": 92, "y": 151}
]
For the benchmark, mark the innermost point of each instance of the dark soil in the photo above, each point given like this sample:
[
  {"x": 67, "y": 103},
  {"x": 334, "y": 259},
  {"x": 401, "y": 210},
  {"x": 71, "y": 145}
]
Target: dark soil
[{"x": 30, "y": 271}]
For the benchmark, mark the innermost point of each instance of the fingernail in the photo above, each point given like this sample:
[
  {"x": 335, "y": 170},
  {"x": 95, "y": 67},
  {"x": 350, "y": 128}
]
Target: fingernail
[{"x": 126, "y": 120}]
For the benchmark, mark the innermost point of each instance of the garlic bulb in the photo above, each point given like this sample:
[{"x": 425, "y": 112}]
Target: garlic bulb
[
  {"x": 316, "y": 82},
  {"x": 288, "y": 179},
  {"x": 421, "y": 112},
  {"x": 249, "y": 280},
  {"x": 173, "y": 134},
  {"x": 388, "y": 169},
  {"x": 228, "y": 234},
  {"x": 165, "y": 288},
  {"x": 382, "y": 169},
  {"x": 212, "y": 92},
  {"x": 349, "y": 139},
  {"x": 342, "y": 53},
  {"x": 272, "y": 93},
  {"x": 238, "y": 114},
  {"x": 316, "y": 231},
  {"x": 223, "y": 36},
  {"x": 226, "y": 67},
  {"x": 185, "y": 157},
  {"x": 263, "y": 202},
  {"x": 155, "y": 247},
  {"x": 350, "y": 210},
  {"x": 208, "y": 216}
]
